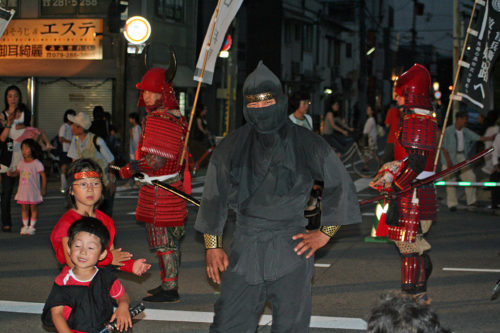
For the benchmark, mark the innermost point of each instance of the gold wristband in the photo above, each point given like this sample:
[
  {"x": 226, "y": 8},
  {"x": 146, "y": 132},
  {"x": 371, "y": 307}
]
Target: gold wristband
[
  {"x": 329, "y": 230},
  {"x": 212, "y": 241}
]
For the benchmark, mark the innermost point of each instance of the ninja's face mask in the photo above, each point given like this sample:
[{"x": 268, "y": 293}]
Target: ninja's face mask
[{"x": 265, "y": 107}]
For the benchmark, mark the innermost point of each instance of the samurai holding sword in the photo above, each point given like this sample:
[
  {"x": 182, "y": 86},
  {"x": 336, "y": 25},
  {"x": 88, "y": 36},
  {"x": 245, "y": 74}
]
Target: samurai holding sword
[
  {"x": 158, "y": 155},
  {"x": 264, "y": 171},
  {"x": 414, "y": 152}
]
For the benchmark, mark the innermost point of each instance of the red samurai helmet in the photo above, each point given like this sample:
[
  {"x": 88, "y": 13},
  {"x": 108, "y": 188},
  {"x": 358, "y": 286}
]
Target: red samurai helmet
[
  {"x": 414, "y": 85},
  {"x": 159, "y": 80}
]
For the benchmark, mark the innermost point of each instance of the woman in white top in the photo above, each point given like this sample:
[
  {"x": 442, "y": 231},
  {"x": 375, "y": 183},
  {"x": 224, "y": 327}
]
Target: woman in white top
[
  {"x": 370, "y": 128},
  {"x": 13, "y": 123},
  {"x": 65, "y": 135},
  {"x": 335, "y": 131}
]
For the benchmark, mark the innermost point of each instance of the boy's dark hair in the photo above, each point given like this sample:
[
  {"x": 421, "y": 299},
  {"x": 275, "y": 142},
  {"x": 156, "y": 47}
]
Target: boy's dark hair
[
  {"x": 462, "y": 114},
  {"x": 36, "y": 150},
  {"x": 295, "y": 98},
  {"x": 82, "y": 164},
  {"x": 98, "y": 112},
  {"x": 135, "y": 116},
  {"x": 67, "y": 113},
  {"x": 92, "y": 226},
  {"x": 401, "y": 313},
  {"x": 9, "y": 88}
]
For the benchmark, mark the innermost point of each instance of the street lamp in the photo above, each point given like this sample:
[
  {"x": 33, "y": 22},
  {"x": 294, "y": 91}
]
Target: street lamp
[{"x": 137, "y": 32}]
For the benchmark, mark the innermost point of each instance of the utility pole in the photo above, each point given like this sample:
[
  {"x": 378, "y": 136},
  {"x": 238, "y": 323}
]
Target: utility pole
[
  {"x": 362, "y": 67},
  {"x": 414, "y": 30},
  {"x": 456, "y": 47}
]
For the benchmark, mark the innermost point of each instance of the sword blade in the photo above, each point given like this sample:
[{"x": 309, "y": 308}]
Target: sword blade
[{"x": 177, "y": 192}]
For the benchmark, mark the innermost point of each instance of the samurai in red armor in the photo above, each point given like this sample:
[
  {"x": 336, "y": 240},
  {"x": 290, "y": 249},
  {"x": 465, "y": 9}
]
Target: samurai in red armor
[
  {"x": 412, "y": 212},
  {"x": 158, "y": 157}
]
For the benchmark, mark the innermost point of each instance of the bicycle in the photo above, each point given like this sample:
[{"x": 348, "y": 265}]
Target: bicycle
[
  {"x": 195, "y": 165},
  {"x": 363, "y": 160}
]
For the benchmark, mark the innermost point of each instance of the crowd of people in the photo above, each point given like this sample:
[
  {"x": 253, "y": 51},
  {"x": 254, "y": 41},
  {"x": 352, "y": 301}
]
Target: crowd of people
[{"x": 268, "y": 171}]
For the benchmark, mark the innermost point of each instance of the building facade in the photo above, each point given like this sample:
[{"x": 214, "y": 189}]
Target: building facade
[{"x": 72, "y": 54}]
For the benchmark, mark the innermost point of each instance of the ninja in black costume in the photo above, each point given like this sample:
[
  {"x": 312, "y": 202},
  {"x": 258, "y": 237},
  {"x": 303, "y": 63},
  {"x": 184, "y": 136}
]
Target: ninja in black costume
[{"x": 264, "y": 172}]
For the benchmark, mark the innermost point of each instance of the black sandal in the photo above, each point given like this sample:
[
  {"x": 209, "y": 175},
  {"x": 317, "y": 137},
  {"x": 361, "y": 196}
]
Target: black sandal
[{"x": 6, "y": 228}]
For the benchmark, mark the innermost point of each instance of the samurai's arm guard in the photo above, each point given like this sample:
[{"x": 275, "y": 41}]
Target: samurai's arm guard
[
  {"x": 329, "y": 230},
  {"x": 414, "y": 165},
  {"x": 134, "y": 168},
  {"x": 128, "y": 266},
  {"x": 212, "y": 241},
  {"x": 128, "y": 170}
]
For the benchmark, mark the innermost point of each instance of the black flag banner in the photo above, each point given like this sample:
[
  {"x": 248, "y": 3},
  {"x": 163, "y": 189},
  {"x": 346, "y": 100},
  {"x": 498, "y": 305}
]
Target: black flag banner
[
  {"x": 5, "y": 17},
  {"x": 480, "y": 54}
]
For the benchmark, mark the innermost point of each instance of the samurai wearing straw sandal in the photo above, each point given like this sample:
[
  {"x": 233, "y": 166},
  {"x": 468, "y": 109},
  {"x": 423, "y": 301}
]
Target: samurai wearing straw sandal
[
  {"x": 264, "y": 171},
  {"x": 158, "y": 157},
  {"x": 415, "y": 209}
]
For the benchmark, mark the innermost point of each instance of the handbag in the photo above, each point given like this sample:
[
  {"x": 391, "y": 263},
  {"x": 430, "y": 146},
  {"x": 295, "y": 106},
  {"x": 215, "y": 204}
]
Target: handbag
[{"x": 6, "y": 149}]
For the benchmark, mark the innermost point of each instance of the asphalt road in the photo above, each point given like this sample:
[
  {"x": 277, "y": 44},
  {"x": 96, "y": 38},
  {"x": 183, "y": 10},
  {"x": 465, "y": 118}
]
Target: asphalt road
[{"x": 350, "y": 277}]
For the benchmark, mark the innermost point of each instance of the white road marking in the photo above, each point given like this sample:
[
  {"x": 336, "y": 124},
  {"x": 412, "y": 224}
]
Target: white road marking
[
  {"x": 131, "y": 213},
  {"x": 197, "y": 316},
  {"x": 455, "y": 269},
  {"x": 197, "y": 190},
  {"x": 322, "y": 265},
  {"x": 368, "y": 214}
]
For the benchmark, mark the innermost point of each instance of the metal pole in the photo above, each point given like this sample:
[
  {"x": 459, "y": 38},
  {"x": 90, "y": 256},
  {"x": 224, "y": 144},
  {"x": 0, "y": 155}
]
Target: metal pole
[
  {"x": 362, "y": 66},
  {"x": 191, "y": 117},
  {"x": 452, "y": 95}
]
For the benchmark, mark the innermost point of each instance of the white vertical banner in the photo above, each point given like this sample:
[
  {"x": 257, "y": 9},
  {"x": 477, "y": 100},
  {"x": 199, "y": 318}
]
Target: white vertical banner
[
  {"x": 5, "y": 17},
  {"x": 221, "y": 19}
]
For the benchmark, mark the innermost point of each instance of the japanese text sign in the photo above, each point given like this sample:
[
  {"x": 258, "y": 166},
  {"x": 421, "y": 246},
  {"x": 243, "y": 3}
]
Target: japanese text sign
[{"x": 52, "y": 39}]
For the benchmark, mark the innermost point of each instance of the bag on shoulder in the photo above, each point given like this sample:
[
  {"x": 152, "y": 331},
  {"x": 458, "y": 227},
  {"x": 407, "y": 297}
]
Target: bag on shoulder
[
  {"x": 58, "y": 147},
  {"x": 6, "y": 149}
]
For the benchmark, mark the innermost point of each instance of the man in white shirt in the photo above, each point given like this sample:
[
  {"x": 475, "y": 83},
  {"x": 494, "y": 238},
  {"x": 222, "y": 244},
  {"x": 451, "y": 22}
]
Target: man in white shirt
[
  {"x": 300, "y": 103},
  {"x": 458, "y": 144}
]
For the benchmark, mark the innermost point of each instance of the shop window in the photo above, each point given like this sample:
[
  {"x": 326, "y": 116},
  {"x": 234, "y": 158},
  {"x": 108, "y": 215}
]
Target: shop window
[
  {"x": 333, "y": 52},
  {"x": 171, "y": 9},
  {"x": 288, "y": 32},
  {"x": 308, "y": 38},
  {"x": 348, "y": 50},
  {"x": 298, "y": 32}
]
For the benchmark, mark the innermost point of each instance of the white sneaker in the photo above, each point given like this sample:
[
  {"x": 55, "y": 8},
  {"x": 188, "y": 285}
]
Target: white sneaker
[
  {"x": 31, "y": 230},
  {"x": 24, "y": 230}
]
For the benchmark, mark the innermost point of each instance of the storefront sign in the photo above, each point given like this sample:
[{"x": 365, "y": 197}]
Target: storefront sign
[
  {"x": 52, "y": 39},
  {"x": 74, "y": 7}
]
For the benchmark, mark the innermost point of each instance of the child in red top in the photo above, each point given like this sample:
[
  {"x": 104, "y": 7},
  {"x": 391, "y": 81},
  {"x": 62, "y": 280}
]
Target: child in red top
[
  {"x": 81, "y": 299},
  {"x": 85, "y": 193}
]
